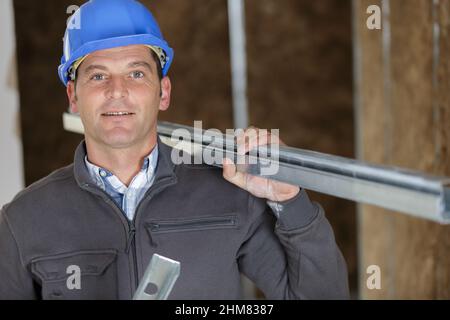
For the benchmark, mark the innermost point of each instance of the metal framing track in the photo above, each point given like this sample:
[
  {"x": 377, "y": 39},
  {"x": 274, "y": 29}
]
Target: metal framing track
[{"x": 410, "y": 192}]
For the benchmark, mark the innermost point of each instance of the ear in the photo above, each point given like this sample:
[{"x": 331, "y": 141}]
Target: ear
[
  {"x": 166, "y": 89},
  {"x": 71, "y": 95}
]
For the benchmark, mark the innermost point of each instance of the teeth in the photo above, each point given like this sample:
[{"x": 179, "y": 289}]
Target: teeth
[{"x": 117, "y": 113}]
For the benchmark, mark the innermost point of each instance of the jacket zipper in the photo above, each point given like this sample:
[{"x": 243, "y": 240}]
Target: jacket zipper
[
  {"x": 131, "y": 240},
  {"x": 132, "y": 244},
  {"x": 132, "y": 229},
  {"x": 192, "y": 225}
]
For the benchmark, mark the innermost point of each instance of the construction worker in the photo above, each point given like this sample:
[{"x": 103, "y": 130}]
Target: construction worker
[{"x": 124, "y": 199}]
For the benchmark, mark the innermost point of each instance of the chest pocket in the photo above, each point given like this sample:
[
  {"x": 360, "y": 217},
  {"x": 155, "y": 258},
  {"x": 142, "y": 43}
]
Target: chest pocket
[
  {"x": 188, "y": 230},
  {"x": 78, "y": 275},
  {"x": 195, "y": 224}
]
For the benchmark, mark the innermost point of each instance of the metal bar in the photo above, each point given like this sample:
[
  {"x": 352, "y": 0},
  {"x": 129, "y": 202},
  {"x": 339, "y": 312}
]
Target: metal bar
[
  {"x": 403, "y": 190},
  {"x": 411, "y": 192},
  {"x": 72, "y": 123},
  {"x": 158, "y": 280},
  {"x": 236, "y": 18}
]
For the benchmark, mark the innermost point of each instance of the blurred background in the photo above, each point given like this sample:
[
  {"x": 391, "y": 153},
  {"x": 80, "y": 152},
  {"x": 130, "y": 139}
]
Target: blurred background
[{"x": 315, "y": 71}]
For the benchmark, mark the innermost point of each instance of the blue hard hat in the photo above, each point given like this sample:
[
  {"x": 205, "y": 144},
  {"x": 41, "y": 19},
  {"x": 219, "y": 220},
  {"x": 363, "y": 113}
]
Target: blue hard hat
[{"x": 106, "y": 24}]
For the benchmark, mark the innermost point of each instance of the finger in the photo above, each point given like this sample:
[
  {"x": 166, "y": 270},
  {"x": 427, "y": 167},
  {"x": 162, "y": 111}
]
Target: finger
[
  {"x": 229, "y": 168},
  {"x": 253, "y": 137},
  {"x": 264, "y": 138},
  {"x": 258, "y": 140},
  {"x": 231, "y": 174},
  {"x": 240, "y": 142},
  {"x": 246, "y": 141}
]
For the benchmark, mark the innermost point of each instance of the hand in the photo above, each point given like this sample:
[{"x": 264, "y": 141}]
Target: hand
[{"x": 258, "y": 186}]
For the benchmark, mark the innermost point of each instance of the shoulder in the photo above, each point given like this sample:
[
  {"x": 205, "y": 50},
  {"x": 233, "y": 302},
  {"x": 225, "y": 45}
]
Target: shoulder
[
  {"x": 43, "y": 190},
  {"x": 192, "y": 166},
  {"x": 208, "y": 181},
  {"x": 207, "y": 176}
]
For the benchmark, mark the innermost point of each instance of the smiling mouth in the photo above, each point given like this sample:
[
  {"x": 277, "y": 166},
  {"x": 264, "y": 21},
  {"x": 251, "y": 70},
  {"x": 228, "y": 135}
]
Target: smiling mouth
[{"x": 117, "y": 114}]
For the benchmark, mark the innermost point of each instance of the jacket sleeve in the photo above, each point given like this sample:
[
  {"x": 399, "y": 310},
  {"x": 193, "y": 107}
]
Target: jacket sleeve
[
  {"x": 16, "y": 282},
  {"x": 295, "y": 257}
]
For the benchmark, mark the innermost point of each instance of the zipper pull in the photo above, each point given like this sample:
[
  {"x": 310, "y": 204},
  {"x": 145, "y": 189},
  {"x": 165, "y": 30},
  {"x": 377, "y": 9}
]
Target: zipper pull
[{"x": 131, "y": 235}]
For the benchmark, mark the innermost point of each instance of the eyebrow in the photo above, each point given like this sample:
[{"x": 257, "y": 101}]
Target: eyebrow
[
  {"x": 140, "y": 64},
  {"x": 133, "y": 64},
  {"x": 95, "y": 66}
]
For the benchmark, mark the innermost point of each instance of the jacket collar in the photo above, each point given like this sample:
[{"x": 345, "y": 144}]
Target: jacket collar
[{"x": 164, "y": 168}]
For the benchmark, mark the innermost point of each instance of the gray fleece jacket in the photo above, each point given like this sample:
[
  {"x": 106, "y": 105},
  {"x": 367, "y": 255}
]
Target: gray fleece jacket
[{"x": 190, "y": 214}]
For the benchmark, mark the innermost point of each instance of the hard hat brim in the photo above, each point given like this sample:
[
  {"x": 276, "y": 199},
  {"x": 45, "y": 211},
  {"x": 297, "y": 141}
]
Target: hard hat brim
[{"x": 90, "y": 47}]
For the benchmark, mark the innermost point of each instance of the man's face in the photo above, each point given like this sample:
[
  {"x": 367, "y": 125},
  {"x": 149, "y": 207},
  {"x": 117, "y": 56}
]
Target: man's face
[{"x": 118, "y": 95}]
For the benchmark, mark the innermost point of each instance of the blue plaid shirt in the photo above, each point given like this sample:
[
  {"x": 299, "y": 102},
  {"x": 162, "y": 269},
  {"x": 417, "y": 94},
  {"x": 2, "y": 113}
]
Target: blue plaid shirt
[{"x": 127, "y": 198}]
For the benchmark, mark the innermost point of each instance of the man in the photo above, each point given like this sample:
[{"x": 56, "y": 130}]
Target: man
[{"x": 123, "y": 199}]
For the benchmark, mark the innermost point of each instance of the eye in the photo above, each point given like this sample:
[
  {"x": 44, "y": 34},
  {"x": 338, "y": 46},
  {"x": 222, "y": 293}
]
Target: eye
[
  {"x": 137, "y": 74},
  {"x": 98, "y": 77}
]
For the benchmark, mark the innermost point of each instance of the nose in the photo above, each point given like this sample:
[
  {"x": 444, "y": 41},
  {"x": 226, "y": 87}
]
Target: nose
[{"x": 117, "y": 88}]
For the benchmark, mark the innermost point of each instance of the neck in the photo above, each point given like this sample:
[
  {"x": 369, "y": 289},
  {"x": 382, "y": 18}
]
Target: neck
[{"x": 124, "y": 163}]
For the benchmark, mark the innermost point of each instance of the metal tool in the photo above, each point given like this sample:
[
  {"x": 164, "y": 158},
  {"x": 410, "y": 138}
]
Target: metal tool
[{"x": 158, "y": 280}]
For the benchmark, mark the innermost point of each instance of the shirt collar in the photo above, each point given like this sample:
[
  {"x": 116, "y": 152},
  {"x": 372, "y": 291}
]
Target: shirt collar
[
  {"x": 165, "y": 169},
  {"x": 148, "y": 166}
]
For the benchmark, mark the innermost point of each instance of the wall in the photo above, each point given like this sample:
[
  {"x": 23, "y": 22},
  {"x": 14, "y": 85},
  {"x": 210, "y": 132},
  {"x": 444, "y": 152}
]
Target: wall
[{"x": 403, "y": 113}]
